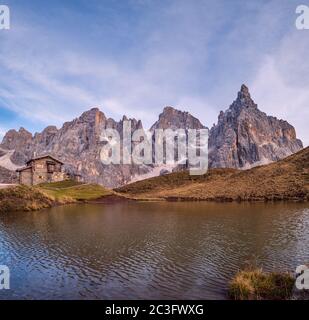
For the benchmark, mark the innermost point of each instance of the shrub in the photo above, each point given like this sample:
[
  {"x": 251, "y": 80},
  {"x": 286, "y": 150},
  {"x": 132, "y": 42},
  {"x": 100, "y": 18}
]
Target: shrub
[{"x": 258, "y": 285}]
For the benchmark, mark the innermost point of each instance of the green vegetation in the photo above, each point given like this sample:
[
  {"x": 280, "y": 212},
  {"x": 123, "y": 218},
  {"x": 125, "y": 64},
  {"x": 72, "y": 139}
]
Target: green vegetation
[
  {"x": 22, "y": 198},
  {"x": 60, "y": 184},
  {"x": 71, "y": 191},
  {"x": 258, "y": 285}
]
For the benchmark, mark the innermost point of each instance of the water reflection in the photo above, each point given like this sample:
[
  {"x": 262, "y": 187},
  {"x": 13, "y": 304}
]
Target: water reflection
[{"x": 147, "y": 250}]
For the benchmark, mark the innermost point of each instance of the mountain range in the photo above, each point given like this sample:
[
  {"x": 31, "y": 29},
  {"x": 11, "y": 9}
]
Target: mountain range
[{"x": 243, "y": 137}]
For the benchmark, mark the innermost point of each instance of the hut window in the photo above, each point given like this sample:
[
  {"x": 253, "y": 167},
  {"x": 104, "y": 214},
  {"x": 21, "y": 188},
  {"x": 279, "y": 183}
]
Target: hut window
[{"x": 50, "y": 168}]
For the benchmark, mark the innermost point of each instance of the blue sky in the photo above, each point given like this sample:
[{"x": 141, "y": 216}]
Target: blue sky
[{"x": 134, "y": 57}]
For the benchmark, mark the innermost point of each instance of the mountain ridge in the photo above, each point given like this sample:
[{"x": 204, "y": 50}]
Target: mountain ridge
[{"x": 243, "y": 137}]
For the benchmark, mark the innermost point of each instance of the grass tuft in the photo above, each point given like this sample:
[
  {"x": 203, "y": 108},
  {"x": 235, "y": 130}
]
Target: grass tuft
[{"x": 259, "y": 285}]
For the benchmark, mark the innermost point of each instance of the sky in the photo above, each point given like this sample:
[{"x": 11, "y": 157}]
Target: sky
[{"x": 134, "y": 57}]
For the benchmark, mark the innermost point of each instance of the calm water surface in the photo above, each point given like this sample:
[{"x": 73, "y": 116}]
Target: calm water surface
[{"x": 147, "y": 250}]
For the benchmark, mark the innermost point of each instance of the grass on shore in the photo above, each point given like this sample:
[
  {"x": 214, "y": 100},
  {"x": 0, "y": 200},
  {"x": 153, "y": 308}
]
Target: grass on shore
[
  {"x": 24, "y": 198},
  {"x": 255, "y": 284},
  {"x": 75, "y": 191}
]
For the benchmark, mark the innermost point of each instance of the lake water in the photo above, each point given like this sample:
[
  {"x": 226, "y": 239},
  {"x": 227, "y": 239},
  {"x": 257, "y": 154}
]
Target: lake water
[{"x": 147, "y": 250}]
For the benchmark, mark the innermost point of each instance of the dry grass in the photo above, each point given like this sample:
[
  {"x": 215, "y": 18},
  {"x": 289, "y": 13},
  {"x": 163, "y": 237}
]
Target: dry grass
[
  {"x": 23, "y": 198},
  {"x": 287, "y": 179},
  {"x": 258, "y": 285}
]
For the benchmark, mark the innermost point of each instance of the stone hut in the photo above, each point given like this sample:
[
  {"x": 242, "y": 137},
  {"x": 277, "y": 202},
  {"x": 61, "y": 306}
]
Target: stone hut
[{"x": 41, "y": 170}]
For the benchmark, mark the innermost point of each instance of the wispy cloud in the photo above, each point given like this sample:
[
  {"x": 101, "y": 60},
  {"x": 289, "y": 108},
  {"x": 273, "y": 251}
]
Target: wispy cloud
[
  {"x": 281, "y": 83},
  {"x": 135, "y": 57}
]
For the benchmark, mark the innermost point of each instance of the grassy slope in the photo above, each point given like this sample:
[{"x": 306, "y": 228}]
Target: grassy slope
[
  {"x": 70, "y": 190},
  {"x": 287, "y": 179},
  {"x": 23, "y": 198}
]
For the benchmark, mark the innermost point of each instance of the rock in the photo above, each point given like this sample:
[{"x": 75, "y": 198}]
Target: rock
[
  {"x": 78, "y": 145},
  {"x": 164, "y": 172},
  {"x": 19, "y": 158},
  {"x": 7, "y": 176},
  {"x": 245, "y": 136},
  {"x": 16, "y": 139},
  {"x": 173, "y": 119}
]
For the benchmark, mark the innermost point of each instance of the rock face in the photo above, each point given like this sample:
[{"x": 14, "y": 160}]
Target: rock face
[
  {"x": 245, "y": 136},
  {"x": 16, "y": 139},
  {"x": 78, "y": 145},
  {"x": 7, "y": 176},
  {"x": 173, "y": 119}
]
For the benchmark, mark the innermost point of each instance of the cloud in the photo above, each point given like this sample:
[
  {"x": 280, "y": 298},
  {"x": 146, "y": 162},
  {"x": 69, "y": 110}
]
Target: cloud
[
  {"x": 281, "y": 84},
  {"x": 134, "y": 58},
  {"x": 45, "y": 80}
]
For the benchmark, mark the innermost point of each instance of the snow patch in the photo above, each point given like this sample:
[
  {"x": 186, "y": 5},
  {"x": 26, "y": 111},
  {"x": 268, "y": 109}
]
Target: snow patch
[
  {"x": 6, "y": 162},
  {"x": 153, "y": 173}
]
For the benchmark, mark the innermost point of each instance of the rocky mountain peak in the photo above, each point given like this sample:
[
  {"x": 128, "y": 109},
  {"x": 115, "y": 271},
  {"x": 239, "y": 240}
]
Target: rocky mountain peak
[
  {"x": 22, "y": 130},
  {"x": 243, "y": 100},
  {"x": 14, "y": 139},
  {"x": 244, "y": 90},
  {"x": 93, "y": 115},
  {"x": 245, "y": 136},
  {"x": 172, "y": 118}
]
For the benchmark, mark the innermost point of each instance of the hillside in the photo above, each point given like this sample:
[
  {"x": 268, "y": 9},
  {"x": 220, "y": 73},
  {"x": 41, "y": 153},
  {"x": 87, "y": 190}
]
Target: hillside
[
  {"x": 287, "y": 179},
  {"x": 23, "y": 198}
]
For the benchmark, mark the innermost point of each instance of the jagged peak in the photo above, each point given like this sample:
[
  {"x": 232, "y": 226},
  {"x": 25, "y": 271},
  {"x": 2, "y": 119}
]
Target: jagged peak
[
  {"x": 135, "y": 123},
  {"x": 23, "y": 130},
  {"x": 93, "y": 110},
  {"x": 171, "y": 110},
  {"x": 244, "y": 89},
  {"x": 243, "y": 100},
  {"x": 50, "y": 128},
  {"x": 172, "y": 117},
  {"x": 244, "y": 93},
  {"x": 92, "y": 115}
]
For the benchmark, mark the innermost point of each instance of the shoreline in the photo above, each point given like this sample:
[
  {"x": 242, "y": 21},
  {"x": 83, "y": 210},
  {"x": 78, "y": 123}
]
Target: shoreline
[{"x": 38, "y": 199}]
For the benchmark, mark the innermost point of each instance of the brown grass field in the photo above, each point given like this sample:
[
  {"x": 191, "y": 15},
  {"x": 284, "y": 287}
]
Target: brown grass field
[{"x": 287, "y": 179}]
